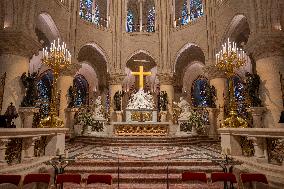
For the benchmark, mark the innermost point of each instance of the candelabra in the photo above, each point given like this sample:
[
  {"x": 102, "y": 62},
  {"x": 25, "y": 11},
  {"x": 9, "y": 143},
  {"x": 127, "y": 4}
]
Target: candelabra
[
  {"x": 228, "y": 59},
  {"x": 57, "y": 58}
]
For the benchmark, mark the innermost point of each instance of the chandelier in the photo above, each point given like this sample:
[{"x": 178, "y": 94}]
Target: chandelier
[
  {"x": 228, "y": 60},
  {"x": 57, "y": 58}
]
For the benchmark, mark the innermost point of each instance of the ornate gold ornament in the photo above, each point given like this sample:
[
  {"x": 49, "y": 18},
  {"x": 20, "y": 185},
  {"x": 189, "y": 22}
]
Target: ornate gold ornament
[
  {"x": 141, "y": 116},
  {"x": 227, "y": 60},
  {"x": 57, "y": 58},
  {"x": 141, "y": 130}
]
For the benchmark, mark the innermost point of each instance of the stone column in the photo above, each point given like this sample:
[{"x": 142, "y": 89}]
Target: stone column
[
  {"x": 63, "y": 84},
  {"x": 166, "y": 84},
  {"x": 219, "y": 81},
  {"x": 257, "y": 115},
  {"x": 70, "y": 122},
  {"x": 213, "y": 116},
  {"x": 141, "y": 15},
  {"x": 267, "y": 50},
  {"x": 28, "y": 147},
  {"x": 3, "y": 147},
  {"x": 27, "y": 115},
  {"x": 16, "y": 50},
  {"x": 115, "y": 84}
]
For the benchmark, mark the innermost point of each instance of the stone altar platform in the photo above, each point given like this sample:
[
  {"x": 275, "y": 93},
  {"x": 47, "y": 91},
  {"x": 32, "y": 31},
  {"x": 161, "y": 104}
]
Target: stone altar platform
[{"x": 142, "y": 129}]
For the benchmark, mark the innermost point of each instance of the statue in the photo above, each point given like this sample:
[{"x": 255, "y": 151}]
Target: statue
[
  {"x": 11, "y": 113},
  {"x": 29, "y": 83},
  {"x": 185, "y": 109},
  {"x": 141, "y": 100},
  {"x": 72, "y": 94},
  {"x": 118, "y": 100},
  {"x": 252, "y": 89},
  {"x": 163, "y": 101},
  {"x": 98, "y": 109}
]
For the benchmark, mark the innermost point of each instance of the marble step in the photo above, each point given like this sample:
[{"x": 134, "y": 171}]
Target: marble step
[
  {"x": 143, "y": 170},
  {"x": 141, "y": 163}
]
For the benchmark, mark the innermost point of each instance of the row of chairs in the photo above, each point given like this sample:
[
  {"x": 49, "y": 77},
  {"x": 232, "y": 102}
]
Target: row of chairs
[
  {"x": 225, "y": 177},
  {"x": 60, "y": 179}
]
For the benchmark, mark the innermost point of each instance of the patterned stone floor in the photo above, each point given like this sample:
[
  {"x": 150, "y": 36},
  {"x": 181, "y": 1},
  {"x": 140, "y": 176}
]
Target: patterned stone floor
[
  {"x": 144, "y": 167},
  {"x": 199, "y": 152}
]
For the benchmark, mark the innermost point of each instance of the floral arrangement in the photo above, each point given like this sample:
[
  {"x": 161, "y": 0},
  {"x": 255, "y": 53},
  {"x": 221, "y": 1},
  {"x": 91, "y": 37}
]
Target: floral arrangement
[
  {"x": 85, "y": 118},
  {"x": 195, "y": 119}
]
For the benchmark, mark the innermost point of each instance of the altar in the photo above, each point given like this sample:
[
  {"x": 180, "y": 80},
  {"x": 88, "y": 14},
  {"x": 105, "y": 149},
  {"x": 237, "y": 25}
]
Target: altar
[
  {"x": 141, "y": 129},
  {"x": 141, "y": 115}
]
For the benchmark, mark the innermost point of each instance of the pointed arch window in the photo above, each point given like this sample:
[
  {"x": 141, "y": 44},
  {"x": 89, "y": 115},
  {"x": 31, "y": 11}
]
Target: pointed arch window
[
  {"x": 82, "y": 90},
  {"x": 130, "y": 22},
  {"x": 89, "y": 11},
  {"x": 151, "y": 20},
  {"x": 184, "y": 14},
  {"x": 44, "y": 86},
  {"x": 198, "y": 92},
  {"x": 239, "y": 92},
  {"x": 196, "y": 9}
]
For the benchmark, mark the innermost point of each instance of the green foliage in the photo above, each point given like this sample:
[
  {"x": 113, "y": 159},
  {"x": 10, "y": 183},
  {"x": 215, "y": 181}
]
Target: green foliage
[{"x": 85, "y": 118}]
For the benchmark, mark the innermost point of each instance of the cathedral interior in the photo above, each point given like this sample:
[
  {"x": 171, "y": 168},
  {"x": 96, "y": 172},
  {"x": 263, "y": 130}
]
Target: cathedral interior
[{"x": 140, "y": 94}]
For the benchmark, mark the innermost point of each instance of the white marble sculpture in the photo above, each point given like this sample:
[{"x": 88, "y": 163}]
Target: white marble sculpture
[
  {"x": 141, "y": 100},
  {"x": 98, "y": 109},
  {"x": 185, "y": 109}
]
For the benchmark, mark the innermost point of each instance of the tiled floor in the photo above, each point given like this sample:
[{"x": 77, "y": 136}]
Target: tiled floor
[{"x": 144, "y": 167}]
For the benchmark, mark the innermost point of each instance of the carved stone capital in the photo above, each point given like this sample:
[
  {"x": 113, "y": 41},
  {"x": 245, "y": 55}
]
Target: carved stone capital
[
  {"x": 265, "y": 45},
  {"x": 212, "y": 72},
  {"x": 18, "y": 43},
  {"x": 116, "y": 79},
  {"x": 166, "y": 78}
]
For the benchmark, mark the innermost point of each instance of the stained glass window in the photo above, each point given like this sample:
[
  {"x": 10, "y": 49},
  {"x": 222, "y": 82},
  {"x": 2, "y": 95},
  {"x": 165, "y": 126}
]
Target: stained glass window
[
  {"x": 82, "y": 90},
  {"x": 151, "y": 20},
  {"x": 96, "y": 15},
  {"x": 89, "y": 12},
  {"x": 44, "y": 91},
  {"x": 198, "y": 93},
  {"x": 239, "y": 92},
  {"x": 130, "y": 22},
  {"x": 196, "y": 9},
  {"x": 184, "y": 14}
]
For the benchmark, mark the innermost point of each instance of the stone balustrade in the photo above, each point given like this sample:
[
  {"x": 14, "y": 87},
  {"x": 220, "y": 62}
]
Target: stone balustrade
[
  {"x": 18, "y": 145},
  {"x": 260, "y": 149}
]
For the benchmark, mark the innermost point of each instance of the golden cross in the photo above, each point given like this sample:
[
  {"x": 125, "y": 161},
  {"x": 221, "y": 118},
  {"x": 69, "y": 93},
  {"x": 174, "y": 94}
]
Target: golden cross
[{"x": 141, "y": 75}]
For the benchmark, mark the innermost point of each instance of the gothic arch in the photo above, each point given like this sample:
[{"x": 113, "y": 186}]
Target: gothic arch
[
  {"x": 238, "y": 30},
  {"x": 47, "y": 26},
  {"x": 97, "y": 59},
  {"x": 143, "y": 51},
  {"x": 188, "y": 55}
]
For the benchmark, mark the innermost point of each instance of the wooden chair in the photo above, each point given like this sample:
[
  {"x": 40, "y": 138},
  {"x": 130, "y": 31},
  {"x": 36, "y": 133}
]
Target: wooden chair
[
  {"x": 250, "y": 178},
  {"x": 194, "y": 176},
  {"x": 10, "y": 179},
  {"x": 100, "y": 179},
  {"x": 224, "y": 177},
  {"x": 68, "y": 178},
  {"x": 37, "y": 178}
]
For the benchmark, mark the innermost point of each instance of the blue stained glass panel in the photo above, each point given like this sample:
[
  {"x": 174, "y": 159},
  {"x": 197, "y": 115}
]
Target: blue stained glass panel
[{"x": 130, "y": 22}]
